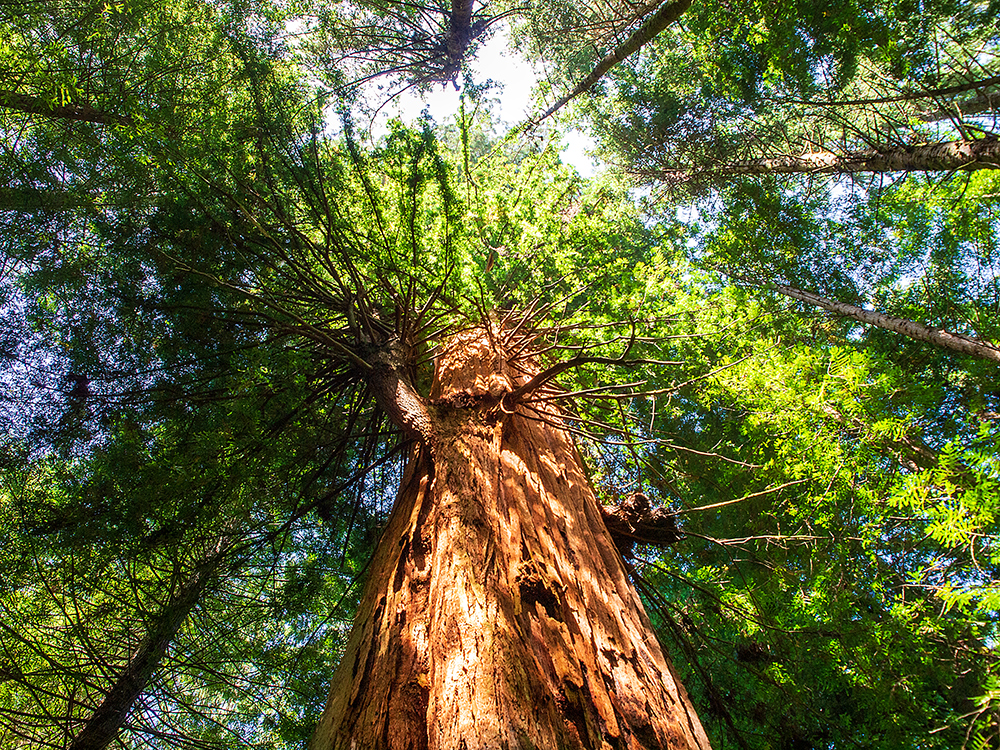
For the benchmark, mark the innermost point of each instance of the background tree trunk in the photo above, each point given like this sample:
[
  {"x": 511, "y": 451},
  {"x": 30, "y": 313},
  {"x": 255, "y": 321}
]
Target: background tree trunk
[
  {"x": 34, "y": 105},
  {"x": 666, "y": 15},
  {"x": 109, "y": 717},
  {"x": 957, "y": 342},
  {"x": 498, "y": 613},
  {"x": 930, "y": 157},
  {"x": 459, "y": 32}
]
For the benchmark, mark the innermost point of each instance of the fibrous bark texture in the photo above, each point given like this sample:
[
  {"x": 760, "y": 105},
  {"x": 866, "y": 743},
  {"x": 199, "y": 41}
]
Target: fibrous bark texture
[{"x": 498, "y": 613}]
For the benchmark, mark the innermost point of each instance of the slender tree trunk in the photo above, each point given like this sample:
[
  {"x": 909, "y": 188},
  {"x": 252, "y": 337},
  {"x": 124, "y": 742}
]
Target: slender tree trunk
[
  {"x": 975, "y": 105},
  {"x": 108, "y": 718},
  {"x": 933, "y": 157},
  {"x": 938, "y": 337},
  {"x": 666, "y": 15},
  {"x": 935, "y": 93},
  {"x": 498, "y": 613}
]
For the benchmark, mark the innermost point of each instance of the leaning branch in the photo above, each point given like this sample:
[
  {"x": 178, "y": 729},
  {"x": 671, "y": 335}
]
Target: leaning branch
[
  {"x": 107, "y": 720},
  {"x": 35, "y": 105},
  {"x": 667, "y": 14},
  {"x": 908, "y": 96},
  {"x": 401, "y": 403}
]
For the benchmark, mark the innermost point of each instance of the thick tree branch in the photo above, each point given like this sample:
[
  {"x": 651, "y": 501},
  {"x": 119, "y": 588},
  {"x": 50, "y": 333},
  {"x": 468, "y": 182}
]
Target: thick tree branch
[
  {"x": 396, "y": 397},
  {"x": 34, "y": 105},
  {"x": 938, "y": 337},
  {"x": 668, "y": 13},
  {"x": 401, "y": 403},
  {"x": 932, "y": 157}
]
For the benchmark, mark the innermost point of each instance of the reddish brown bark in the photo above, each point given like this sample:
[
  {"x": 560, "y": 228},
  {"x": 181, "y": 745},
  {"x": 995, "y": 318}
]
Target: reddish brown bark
[{"x": 498, "y": 613}]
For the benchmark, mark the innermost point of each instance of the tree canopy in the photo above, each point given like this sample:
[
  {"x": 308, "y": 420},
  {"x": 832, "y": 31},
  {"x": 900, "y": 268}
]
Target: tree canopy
[{"x": 767, "y": 318}]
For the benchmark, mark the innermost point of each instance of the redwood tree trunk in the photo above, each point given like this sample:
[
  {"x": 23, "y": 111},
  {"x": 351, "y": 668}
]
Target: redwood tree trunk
[{"x": 498, "y": 613}]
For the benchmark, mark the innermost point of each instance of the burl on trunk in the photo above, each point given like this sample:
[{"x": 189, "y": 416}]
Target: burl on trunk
[{"x": 498, "y": 613}]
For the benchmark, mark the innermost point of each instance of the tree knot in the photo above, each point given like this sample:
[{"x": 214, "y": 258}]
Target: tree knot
[{"x": 635, "y": 520}]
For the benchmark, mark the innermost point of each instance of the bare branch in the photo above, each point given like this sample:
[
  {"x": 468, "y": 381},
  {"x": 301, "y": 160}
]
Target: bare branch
[{"x": 546, "y": 375}]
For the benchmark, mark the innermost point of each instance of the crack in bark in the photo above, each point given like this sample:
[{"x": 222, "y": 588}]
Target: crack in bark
[{"x": 535, "y": 588}]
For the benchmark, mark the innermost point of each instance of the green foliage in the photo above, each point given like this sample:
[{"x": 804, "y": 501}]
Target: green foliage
[
  {"x": 193, "y": 288},
  {"x": 958, "y": 500},
  {"x": 800, "y": 583},
  {"x": 744, "y": 81}
]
